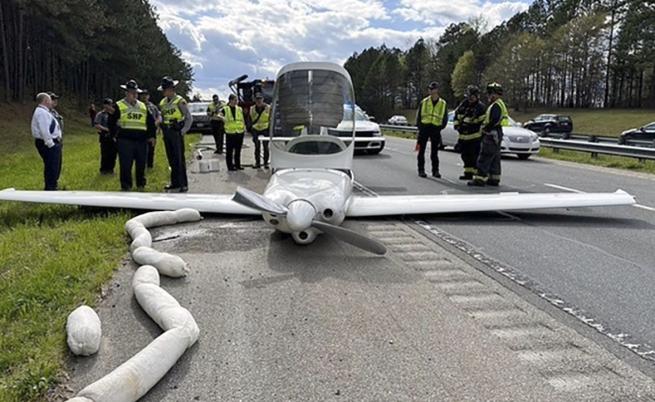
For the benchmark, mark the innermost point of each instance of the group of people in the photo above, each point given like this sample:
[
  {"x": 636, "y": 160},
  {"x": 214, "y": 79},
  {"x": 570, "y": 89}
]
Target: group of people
[
  {"x": 480, "y": 129},
  {"x": 127, "y": 129},
  {"x": 230, "y": 122}
]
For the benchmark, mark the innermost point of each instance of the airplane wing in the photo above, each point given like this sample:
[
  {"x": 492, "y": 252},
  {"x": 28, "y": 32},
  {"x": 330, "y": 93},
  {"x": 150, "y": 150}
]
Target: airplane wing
[
  {"x": 435, "y": 204},
  {"x": 210, "y": 203}
]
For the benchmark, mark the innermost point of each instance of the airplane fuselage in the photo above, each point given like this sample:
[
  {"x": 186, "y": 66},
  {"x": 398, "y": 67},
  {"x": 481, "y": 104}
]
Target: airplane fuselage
[{"x": 309, "y": 194}]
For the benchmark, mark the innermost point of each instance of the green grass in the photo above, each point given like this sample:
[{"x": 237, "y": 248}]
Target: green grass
[
  {"x": 52, "y": 258},
  {"x": 610, "y": 122},
  {"x": 601, "y": 160}
]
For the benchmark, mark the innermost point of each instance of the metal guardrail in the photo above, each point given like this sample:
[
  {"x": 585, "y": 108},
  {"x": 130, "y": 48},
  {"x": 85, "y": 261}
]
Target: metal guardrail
[
  {"x": 595, "y": 148},
  {"x": 597, "y": 138},
  {"x": 582, "y": 143}
]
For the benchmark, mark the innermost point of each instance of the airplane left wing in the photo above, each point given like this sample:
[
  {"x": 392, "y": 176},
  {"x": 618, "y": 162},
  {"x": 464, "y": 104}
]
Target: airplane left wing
[
  {"x": 435, "y": 204},
  {"x": 209, "y": 203}
]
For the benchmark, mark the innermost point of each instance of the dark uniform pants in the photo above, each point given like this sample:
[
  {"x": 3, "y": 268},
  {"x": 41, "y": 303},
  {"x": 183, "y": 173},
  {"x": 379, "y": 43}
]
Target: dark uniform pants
[
  {"x": 174, "y": 144},
  {"x": 218, "y": 129},
  {"x": 108, "y": 154},
  {"x": 435, "y": 139},
  {"x": 470, "y": 150},
  {"x": 132, "y": 152},
  {"x": 256, "y": 137},
  {"x": 233, "y": 144},
  {"x": 151, "y": 154},
  {"x": 489, "y": 159},
  {"x": 51, "y": 163}
]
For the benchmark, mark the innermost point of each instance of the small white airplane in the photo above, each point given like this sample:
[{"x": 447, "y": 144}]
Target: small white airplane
[{"x": 311, "y": 188}]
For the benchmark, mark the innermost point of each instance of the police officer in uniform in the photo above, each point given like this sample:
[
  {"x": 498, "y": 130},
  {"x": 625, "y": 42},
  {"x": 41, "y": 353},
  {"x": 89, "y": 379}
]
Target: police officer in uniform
[
  {"x": 144, "y": 97},
  {"x": 218, "y": 128},
  {"x": 496, "y": 117},
  {"x": 235, "y": 126},
  {"x": 260, "y": 114},
  {"x": 431, "y": 118},
  {"x": 176, "y": 121},
  {"x": 134, "y": 127},
  {"x": 469, "y": 116},
  {"x": 106, "y": 138}
]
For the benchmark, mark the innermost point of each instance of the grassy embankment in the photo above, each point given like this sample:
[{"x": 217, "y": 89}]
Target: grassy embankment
[
  {"x": 600, "y": 122},
  {"x": 52, "y": 258}
]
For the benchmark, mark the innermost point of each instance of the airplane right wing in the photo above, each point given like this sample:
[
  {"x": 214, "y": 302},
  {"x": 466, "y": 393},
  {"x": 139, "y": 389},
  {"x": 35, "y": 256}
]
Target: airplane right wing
[
  {"x": 210, "y": 203},
  {"x": 436, "y": 204}
]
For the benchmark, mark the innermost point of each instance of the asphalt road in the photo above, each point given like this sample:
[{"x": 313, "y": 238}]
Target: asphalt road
[
  {"x": 598, "y": 263},
  {"x": 331, "y": 322}
]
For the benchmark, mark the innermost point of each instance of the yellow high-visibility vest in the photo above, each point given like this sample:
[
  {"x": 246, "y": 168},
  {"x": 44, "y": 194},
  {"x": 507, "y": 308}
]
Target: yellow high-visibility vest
[
  {"x": 234, "y": 124},
  {"x": 171, "y": 110},
  {"x": 504, "y": 115},
  {"x": 262, "y": 123},
  {"x": 133, "y": 117},
  {"x": 432, "y": 114},
  {"x": 214, "y": 109}
]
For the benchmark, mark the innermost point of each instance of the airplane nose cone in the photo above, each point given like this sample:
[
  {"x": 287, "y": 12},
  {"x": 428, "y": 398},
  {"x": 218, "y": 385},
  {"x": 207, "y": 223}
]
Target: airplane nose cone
[{"x": 300, "y": 215}]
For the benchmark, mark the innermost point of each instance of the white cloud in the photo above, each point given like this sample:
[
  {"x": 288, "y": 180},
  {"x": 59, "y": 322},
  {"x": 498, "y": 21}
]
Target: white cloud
[
  {"x": 443, "y": 12},
  {"x": 223, "y": 39}
]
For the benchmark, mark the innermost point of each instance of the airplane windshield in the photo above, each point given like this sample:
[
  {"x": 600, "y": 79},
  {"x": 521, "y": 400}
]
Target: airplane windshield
[{"x": 311, "y": 102}]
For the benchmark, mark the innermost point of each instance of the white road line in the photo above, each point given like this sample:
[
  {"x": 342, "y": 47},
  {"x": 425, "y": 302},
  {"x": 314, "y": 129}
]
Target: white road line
[
  {"x": 647, "y": 208},
  {"x": 563, "y": 188}
]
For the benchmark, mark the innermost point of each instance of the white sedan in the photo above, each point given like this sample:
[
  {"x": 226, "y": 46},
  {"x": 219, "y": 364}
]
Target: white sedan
[
  {"x": 398, "y": 120},
  {"x": 516, "y": 139}
]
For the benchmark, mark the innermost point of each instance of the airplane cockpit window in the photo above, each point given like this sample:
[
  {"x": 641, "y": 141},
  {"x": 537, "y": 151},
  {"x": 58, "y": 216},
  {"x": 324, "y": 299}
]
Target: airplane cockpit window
[
  {"x": 311, "y": 102},
  {"x": 315, "y": 148}
]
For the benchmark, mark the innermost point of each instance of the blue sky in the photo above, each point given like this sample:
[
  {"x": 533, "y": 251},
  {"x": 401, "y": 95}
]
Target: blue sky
[{"x": 223, "y": 39}]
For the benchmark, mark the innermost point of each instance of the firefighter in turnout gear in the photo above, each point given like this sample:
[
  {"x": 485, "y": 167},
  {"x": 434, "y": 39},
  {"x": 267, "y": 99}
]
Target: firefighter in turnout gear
[
  {"x": 260, "y": 114},
  {"x": 175, "y": 122},
  {"x": 431, "y": 118},
  {"x": 218, "y": 128},
  {"x": 135, "y": 127},
  {"x": 468, "y": 121},
  {"x": 235, "y": 127},
  {"x": 496, "y": 117}
]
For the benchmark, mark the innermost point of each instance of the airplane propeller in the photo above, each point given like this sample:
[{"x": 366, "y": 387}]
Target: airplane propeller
[{"x": 300, "y": 216}]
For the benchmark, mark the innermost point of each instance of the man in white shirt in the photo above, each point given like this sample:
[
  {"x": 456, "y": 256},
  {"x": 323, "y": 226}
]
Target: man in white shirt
[{"x": 47, "y": 138}]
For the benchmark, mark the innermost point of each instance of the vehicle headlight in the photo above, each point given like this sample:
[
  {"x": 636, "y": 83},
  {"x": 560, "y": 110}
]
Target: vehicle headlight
[
  {"x": 533, "y": 137},
  {"x": 377, "y": 134}
]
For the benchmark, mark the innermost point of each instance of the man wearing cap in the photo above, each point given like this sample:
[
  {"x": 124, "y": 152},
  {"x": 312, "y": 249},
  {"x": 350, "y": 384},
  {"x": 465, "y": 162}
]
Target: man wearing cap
[
  {"x": 134, "y": 127},
  {"x": 235, "y": 127},
  {"x": 53, "y": 110},
  {"x": 495, "y": 118},
  {"x": 259, "y": 117},
  {"x": 176, "y": 121},
  {"x": 218, "y": 128},
  {"x": 106, "y": 138},
  {"x": 47, "y": 138},
  {"x": 431, "y": 118},
  {"x": 144, "y": 97}
]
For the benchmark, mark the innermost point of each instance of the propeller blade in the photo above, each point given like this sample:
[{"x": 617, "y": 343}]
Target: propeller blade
[
  {"x": 351, "y": 237},
  {"x": 257, "y": 201}
]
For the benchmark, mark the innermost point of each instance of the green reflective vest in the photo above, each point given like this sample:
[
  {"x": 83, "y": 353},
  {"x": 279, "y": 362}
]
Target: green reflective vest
[
  {"x": 260, "y": 122},
  {"x": 504, "y": 119},
  {"x": 234, "y": 124},
  {"x": 170, "y": 110},
  {"x": 214, "y": 109},
  {"x": 133, "y": 117},
  {"x": 432, "y": 114}
]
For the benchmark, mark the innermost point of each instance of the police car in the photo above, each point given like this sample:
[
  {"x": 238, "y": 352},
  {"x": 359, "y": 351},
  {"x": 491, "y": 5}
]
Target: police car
[{"x": 516, "y": 140}]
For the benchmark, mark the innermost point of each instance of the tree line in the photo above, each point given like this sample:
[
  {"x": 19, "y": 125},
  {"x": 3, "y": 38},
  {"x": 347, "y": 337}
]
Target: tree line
[
  {"x": 83, "y": 48},
  {"x": 557, "y": 53}
]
